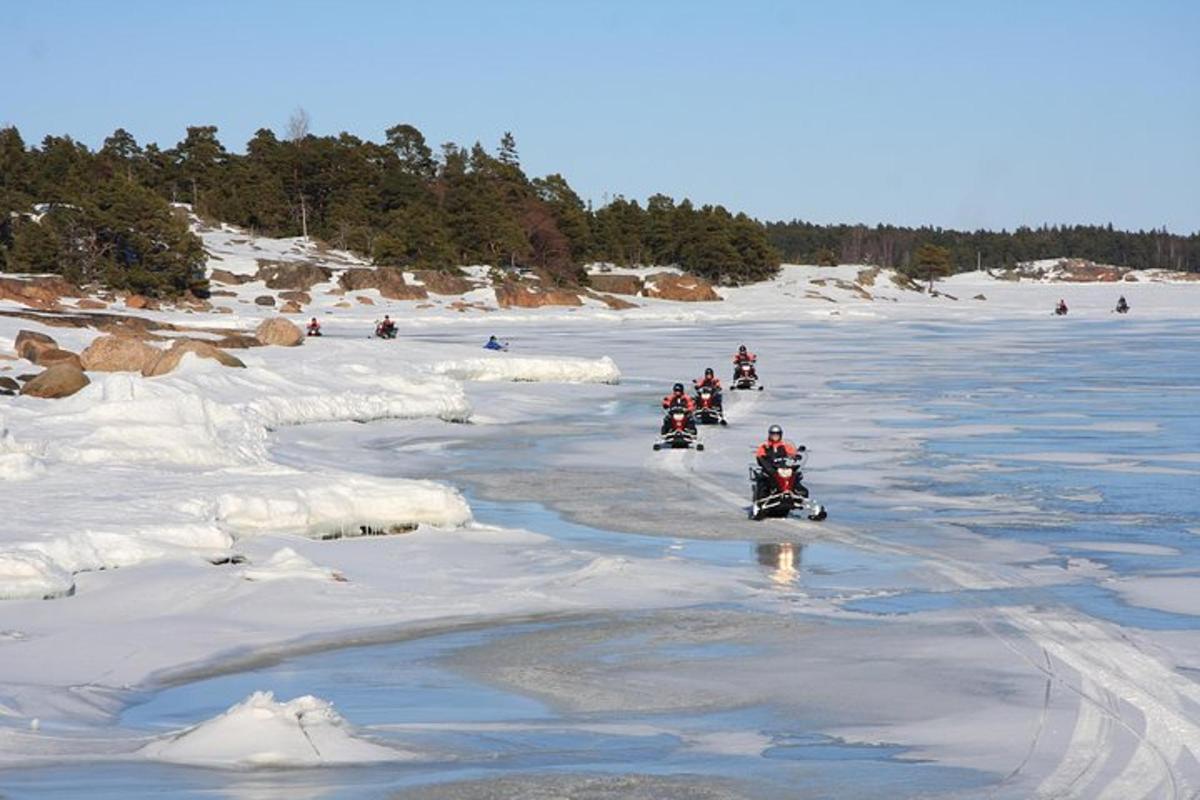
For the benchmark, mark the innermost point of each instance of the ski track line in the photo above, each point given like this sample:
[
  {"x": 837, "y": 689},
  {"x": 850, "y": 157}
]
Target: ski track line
[{"x": 1111, "y": 663}]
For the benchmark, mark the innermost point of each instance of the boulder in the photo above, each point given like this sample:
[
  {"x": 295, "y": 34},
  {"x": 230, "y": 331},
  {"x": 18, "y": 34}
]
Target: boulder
[
  {"x": 279, "y": 331},
  {"x": 389, "y": 281},
  {"x": 264, "y": 300},
  {"x": 237, "y": 341},
  {"x": 615, "y": 303},
  {"x": 229, "y": 278},
  {"x": 530, "y": 295},
  {"x": 61, "y": 380},
  {"x": 291, "y": 307},
  {"x": 616, "y": 284},
  {"x": 90, "y": 304},
  {"x": 8, "y": 385},
  {"x": 140, "y": 301},
  {"x": 29, "y": 344},
  {"x": 681, "y": 288},
  {"x": 292, "y": 275},
  {"x": 366, "y": 301},
  {"x": 118, "y": 354},
  {"x": 980, "y": 297},
  {"x": 56, "y": 355},
  {"x": 169, "y": 359},
  {"x": 439, "y": 282},
  {"x": 301, "y": 298}
]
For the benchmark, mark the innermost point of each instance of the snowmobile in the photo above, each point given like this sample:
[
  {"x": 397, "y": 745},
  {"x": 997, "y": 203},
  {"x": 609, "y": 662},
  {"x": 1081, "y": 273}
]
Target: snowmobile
[
  {"x": 1122, "y": 306},
  {"x": 1060, "y": 310},
  {"x": 707, "y": 410},
  {"x": 680, "y": 431},
  {"x": 384, "y": 330},
  {"x": 744, "y": 377},
  {"x": 313, "y": 328},
  {"x": 780, "y": 492}
]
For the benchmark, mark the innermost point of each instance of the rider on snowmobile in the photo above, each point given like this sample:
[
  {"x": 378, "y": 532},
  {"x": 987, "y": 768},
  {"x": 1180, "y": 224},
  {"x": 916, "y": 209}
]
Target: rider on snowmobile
[
  {"x": 1061, "y": 308},
  {"x": 744, "y": 356},
  {"x": 712, "y": 382},
  {"x": 775, "y": 447},
  {"x": 314, "y": 327},
  {"x": 678, "y": 397},
  {"x": 1122, "y": 306},
  {"x": 385, "y": 328}
]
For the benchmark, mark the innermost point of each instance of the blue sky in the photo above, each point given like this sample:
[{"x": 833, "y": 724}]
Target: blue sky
[{"x": 959, "y": 114}]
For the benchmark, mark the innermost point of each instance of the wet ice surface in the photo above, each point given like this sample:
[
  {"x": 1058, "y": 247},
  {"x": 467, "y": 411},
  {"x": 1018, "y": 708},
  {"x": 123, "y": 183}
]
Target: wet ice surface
[{"x": 1013, "y": 528}]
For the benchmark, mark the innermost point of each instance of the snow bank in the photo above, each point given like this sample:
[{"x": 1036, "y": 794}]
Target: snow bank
[
  {"x": 331, "y": 506},
  {"x": 506, "y": 367},
  {"x": 285, "y": 564},
  {"x": 28, "y": 574},
  {"x": 262, "y": 732}
]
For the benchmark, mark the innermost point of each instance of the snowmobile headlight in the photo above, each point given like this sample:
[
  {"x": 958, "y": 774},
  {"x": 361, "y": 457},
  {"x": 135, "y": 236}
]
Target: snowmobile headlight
[
  {"x": 678, "y": 415},
  {"x": 785, "y": 472}
]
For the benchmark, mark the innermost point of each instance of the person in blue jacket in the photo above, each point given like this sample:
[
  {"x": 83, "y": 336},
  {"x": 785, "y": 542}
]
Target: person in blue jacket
[{"x": 495, "y": 344}]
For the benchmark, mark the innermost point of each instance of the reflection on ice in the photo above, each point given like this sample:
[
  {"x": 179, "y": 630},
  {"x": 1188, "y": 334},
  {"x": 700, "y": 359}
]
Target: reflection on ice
[{"x": 782, "y": 560}]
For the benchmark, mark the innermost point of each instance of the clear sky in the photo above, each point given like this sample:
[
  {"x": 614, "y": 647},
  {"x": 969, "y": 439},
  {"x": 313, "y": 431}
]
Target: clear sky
[{"x": 959, "y": 113}]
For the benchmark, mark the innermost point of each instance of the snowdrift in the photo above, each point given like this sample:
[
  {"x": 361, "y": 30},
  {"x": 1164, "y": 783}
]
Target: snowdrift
[{"x": 263, "y": 732}]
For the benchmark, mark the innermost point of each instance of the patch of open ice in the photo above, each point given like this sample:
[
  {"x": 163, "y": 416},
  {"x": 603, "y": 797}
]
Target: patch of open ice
[{"x": 262, "y": 732}]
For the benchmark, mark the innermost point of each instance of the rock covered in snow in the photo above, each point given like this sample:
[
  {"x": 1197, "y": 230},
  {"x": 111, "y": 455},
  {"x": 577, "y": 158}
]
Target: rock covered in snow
[
  {"x": 228, "y": 278},
  {"x": 532, "y": 295},
  {"x": 681, "y": 288},
  {"x": 61, "y": 380},
  {"x": 116, "y": 353},
  {"x": 293, "y": 275},
  {"x": 279, "y": 331},
  {"x": 443, "y": 282},
  {"x": 388, "y": 281},
  {"x": 263, "y": 732},
  {"x": 29, "y": 575},
  {"x": 287, "y": 564},
  {"x": 169, "y": 360}
]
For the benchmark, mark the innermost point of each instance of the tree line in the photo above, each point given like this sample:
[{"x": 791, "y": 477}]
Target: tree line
[
  {"x": 895, "y": 246},
  {"x": 106, "y": 215}
]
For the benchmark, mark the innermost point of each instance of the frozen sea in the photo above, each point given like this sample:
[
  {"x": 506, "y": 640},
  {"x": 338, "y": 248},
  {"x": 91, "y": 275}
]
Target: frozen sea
[{"x": 1004, "y": 601}]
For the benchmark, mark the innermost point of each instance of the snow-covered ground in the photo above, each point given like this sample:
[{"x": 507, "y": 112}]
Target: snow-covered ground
[{"x": 157, "y": 531}]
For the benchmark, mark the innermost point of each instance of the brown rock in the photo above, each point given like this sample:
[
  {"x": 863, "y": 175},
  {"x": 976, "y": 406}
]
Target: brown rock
[
  {"x": 40, "y": 292},
  {"x": 291, "y": 307},
  {"x": 303, "y": 298},
  {"x": 90, "y": 304},
  {"x": 229, "y": 278},
  {"x": 529, "y": 295},
  {"x": 222, "y": 310},
  {"x": 681, "y": 288},
  {"x": 140, "y": 301},
  {"x": 615, "y": 303},
  {"x": 440, "y": 282},
  {"x": 366, "y": 301},
  {"x": 279, "y": 331},
  {"x": 616, "y": 284},
  {"x": 9, "y": 385},
  {"x": 237, "y": 341},
  {"x": 61, "y": 380},
  {"x": 169, "y": 360},
  {"x": 55, "y": 355},
  {"x": 29, "y": 344},
  {"x": 342, "y": 304},
  {"x": 118, "y": 354},
  {"x": 389, "y": 281},
  {"x": 264, "y": 300},
  {"x": 979, "y": 297},
  {"x": 293, "y": 275}
]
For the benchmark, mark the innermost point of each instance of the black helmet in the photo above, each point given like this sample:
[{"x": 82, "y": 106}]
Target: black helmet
[
  {"x": 678, "y": 388},
  {"x": 708, "y": 373},
  {"x": 774, "y": 432},
  {"x": 742, "y": 349}
]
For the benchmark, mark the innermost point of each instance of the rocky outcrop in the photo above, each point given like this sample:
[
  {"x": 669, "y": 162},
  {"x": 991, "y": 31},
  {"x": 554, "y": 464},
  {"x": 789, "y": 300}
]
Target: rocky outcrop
[
  {"x": 89, "y": 304},
  {"x": 532, "y": 295},
  {"x": 439, "y": 282},
  {"x": 615, "y": 303},
  {"x": 118, "y": 354},
  {"x": 293, "y": 275},
  {"x": 140, "y": 301},
  {"x": 8, "y": 386},
  {"x": 56, "y": 355},
  {"x": 388, "y": 281},
  {"x": 60, "y": 380},
  {"x": 680, "y": 288},
  {"x": 169, "y": 360},
  {"x": 300, "y": 298},
  {"x": 264, "y": 300},
  {"x": 291, "y": 307},
  {"x": 616, "y": 284},
  {"x": 41, "y": 292},
  {"x": 279, "y": 331}
]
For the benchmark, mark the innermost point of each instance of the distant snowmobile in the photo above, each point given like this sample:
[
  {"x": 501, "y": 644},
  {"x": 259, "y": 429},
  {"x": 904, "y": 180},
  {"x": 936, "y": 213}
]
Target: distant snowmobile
[
  {"x": 1122, "y": 306},
  {"x": 777, "y": 491},
  {"x": 386, "y": 329},
  {"x": 745, "y": 378},
  {"x": 1061, "y": 309},
  {"x": 313, "y": 328}
]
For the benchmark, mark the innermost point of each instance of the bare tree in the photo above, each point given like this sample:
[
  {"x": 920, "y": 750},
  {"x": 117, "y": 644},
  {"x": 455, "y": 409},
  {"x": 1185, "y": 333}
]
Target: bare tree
[{"x": 297, "y": 125}]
